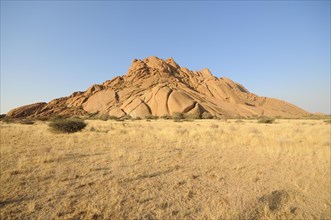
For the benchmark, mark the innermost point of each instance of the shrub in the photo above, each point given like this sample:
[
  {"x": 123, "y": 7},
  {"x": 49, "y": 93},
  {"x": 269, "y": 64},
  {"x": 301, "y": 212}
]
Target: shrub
[
  {"x": 192, "y": 116},
  {"x": 67, "y": 125},
  {"x": 206, "y": 115},
  {"x": 177, "y": 115},
  {"x": 112, "y": 117},
  {"x": 266, "y": 120},
  {"x": 27, "y": 122},
  {"x": 9, "y": 120},
  {"x": 165, "y": 117},
  {"x": 103, "y": 117},
  {"x": 92, "y": 115},
  {"x": 154, "y": 117},
  {"x": 125, "y": 117},
  {"x": 43, "y": 118}
]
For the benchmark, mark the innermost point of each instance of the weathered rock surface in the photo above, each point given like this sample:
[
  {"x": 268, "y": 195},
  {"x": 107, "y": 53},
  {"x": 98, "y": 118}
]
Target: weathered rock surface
[
  {"x": 25, "y": 110},
  {"x": 153, "y": 86}
]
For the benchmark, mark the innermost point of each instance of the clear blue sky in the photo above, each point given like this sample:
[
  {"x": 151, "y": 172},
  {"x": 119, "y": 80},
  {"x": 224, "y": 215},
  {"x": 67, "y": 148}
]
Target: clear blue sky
[{"x": 277, "y": 49}]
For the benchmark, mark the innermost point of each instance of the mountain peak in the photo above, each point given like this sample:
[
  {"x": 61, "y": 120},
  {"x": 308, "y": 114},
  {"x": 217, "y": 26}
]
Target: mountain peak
[
  {"x": 172, "y": 63},
  {"x": 151, "y": 66},
  {"x": 153, "y": 86}
]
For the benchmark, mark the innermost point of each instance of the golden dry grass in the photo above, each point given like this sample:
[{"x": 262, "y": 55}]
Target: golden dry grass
[{"x": 205, "y": 169}]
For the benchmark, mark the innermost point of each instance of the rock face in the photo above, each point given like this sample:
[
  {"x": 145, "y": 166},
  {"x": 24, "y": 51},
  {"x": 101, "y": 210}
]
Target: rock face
[{"x": 153, "y": 86}]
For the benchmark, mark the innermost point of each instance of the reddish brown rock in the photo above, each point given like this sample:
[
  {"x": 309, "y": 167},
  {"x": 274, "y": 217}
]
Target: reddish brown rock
[{"x": 26, "y": 110}]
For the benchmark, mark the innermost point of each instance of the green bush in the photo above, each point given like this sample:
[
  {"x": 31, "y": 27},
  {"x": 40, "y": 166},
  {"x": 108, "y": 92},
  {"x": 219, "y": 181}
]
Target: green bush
[
  {"x": 67, "y": 125},
  {"x": 266, "y": 120},
  {"x": 206, "y": 115}
]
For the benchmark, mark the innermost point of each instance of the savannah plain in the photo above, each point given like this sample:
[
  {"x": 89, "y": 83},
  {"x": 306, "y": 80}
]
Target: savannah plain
[{"x": 162, "y": 169}]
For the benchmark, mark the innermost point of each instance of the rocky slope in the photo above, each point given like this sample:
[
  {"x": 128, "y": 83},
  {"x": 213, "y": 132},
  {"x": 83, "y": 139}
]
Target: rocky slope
[{"x": 153, "y": 86}]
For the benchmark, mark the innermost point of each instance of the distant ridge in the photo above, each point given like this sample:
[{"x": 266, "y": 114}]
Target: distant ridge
[{"x": 153, "y": 86}]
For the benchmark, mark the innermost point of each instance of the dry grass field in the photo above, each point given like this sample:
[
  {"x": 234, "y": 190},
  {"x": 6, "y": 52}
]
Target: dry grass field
[{"x": 202, "y": 169}]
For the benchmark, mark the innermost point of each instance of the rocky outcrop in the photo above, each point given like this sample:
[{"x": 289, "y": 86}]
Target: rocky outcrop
[
  {"x": 153, "y": 86},
  {"x": 26, "y": 110}
]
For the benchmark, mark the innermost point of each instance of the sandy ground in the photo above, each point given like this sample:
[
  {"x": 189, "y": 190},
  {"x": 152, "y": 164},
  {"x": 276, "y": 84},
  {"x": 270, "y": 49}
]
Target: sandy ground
[{"x": 203, "y": 169}]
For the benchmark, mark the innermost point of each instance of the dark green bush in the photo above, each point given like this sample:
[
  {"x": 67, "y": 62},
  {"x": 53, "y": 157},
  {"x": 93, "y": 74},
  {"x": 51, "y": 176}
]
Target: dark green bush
[
  {"x": 67, "y": 125},
  {"x": 266, "y": 120}
]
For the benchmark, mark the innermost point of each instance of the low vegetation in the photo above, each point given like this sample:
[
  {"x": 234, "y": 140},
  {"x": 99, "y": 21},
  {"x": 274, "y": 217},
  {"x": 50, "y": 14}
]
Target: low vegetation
[
  {"x": 177, "y": 116},
  {"x": 27, "y": 122},
  {"x": 192, "y": 116},
  {"x": 152, "y": 117},
  {"x": 206, "y": 115},
  {"x": 266, "y": 120},
  {"x": 67, "y": 125}
]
